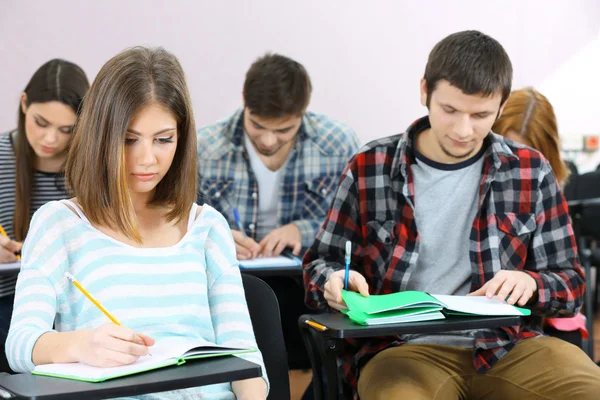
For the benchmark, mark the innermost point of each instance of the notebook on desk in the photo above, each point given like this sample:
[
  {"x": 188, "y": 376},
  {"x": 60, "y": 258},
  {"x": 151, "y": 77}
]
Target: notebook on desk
[
  {"x": 286, "y": 259},
  {"x": 165, "y": 352},
  {"x": 414, "y": 306}
]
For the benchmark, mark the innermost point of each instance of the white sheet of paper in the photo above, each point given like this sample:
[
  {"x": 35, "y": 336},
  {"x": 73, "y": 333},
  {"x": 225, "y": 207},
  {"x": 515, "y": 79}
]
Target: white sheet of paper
[
  {"x": 279, "y": 261},
  {"x": 477, "y": 305},
  {"x": 162, "y": 354}
]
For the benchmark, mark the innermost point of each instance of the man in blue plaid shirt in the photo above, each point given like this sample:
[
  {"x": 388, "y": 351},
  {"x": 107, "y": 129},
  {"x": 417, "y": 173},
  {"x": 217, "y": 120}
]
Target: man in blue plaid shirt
[{"x": 278, "y": 165}]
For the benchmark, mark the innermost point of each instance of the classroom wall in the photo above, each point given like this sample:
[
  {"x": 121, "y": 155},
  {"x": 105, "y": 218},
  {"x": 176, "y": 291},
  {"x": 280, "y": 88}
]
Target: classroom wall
[{"x": 365, "y": 57}]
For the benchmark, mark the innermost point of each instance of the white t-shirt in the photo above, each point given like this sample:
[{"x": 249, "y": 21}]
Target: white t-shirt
[{"x": 269, "y": 183}]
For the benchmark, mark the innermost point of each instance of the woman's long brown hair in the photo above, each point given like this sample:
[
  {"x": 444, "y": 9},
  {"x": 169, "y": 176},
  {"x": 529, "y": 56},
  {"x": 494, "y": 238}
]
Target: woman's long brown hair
[
  {"x": 95, "y": 169},
  {"x": 56, "y": 80},
  {"x": 529, "y": 114}
]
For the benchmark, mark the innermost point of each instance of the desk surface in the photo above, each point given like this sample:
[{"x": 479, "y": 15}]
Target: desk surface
[
  {"x": 14, "y": 268},
  {"x": 191, "y": 374},
  {"x": 272, "y": 271},
  {"x": 341, "y": 327},
  {"x": 595, "y": 201},
  {"x": 10, "y": 268}
]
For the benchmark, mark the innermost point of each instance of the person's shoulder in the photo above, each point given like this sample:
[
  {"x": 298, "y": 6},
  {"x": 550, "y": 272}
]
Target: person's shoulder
[
  {"x": 382, "y": 152},
  {"x": 52, "y": 208},
  {"x": 517, "y": 156},
  {"x": 6, "y": 143},
  {"x": 332, "y": 136},
  {"x": 207, "y": 217},
  {"x": 214, "y": 136},
  {"x": 521, "y": 163},
  {"x": 385, "y": 146},
  {"x": 53, "y": 214}
]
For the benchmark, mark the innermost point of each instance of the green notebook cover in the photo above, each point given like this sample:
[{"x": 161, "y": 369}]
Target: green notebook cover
[
  {"x": 395, "y": 316},
  {"x": 164, "y": 354},
  {"x": 395, "y": 301}
]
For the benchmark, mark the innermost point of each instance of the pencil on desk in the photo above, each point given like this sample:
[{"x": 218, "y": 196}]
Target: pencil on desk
[
  {"x": 3, "y": 233},
  {"x": 316, "y": 325}
]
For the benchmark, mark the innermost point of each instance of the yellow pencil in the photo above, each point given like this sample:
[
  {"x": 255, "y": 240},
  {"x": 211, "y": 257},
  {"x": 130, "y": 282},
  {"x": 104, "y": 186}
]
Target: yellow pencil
[
  {"x": 92, "y": 299},
  {"x": 316, "y": 325},
  {"x": 3, "y": 233}
]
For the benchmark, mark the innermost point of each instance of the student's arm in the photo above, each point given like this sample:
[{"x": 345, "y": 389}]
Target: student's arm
[
  {"x": 552, "y": 255},
  {"x": 327, "y": 253},
  {"x": 228, "y": 308},
  {"x": 31, "y": 340},
  {"x": 309, "y": 227},
  {"x": 109, "y": 345}
]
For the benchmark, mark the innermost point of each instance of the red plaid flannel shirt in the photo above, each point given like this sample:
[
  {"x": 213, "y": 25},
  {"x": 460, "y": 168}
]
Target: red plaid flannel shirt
[{"x": 522, "y": 224}]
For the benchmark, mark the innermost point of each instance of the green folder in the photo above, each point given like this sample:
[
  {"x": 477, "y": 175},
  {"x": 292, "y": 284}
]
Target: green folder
[
  {"x": 166, "y": 352},
  {"x": 413, "y": 306}
]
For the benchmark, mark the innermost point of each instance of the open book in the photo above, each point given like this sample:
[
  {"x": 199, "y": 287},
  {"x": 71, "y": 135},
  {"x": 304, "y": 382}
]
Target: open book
[
  {"x": 413, "y": 306},
  {"x": 166, "y": 352},
  {"x": 286, "y": 259}
]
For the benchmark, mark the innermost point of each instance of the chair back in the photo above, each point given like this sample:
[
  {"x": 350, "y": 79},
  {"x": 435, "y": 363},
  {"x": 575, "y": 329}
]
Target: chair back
[
  {"x": 266, "y": 322},
  {"x": 584, "y": 187}
]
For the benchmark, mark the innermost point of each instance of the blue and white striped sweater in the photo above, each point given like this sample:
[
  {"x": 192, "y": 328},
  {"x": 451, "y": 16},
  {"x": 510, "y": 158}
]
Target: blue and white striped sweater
[{"x": 190, "y": 289}]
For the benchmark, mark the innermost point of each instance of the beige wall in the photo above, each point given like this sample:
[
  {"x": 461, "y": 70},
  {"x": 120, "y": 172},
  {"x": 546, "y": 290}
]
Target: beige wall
[{"x": 365, "y": 57}]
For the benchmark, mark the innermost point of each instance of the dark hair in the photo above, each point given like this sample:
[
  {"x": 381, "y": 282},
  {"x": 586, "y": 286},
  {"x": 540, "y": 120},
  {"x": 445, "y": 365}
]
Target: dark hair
[
  {"x": 471, "y": 61},
  {"x": 56, "y": 80},
  {"x": 277, "y": 86},
  {"x": 128, "y": 82}
]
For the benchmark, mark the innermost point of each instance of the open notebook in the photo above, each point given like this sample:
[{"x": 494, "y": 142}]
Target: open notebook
[
  {"x": 413, "y": 306},
  {"x": 166, "y": 352}
]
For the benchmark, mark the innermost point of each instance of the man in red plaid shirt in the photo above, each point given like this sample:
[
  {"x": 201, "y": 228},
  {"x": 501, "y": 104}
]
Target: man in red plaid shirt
[{"x": 449, "y": 207}]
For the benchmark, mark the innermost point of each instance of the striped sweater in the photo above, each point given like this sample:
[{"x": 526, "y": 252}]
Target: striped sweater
[
  {"x": 46, "y": 187},
  {"x": 191, "y": 289}
]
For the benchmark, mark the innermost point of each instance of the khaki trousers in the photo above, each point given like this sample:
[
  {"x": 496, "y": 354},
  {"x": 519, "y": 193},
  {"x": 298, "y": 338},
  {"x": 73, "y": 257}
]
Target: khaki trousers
[{"x": 537, "y": 368}]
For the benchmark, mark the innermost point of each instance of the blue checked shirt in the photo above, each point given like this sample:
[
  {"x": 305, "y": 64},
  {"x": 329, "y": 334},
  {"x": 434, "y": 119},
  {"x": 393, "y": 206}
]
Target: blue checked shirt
[{"x": 311, "y": 175}]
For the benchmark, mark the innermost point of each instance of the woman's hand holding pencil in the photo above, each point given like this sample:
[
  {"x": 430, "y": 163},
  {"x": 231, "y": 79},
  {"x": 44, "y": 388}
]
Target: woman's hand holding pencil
[
  {"x": 110, "y": 345},
  {"x": 8, "y": 248}
]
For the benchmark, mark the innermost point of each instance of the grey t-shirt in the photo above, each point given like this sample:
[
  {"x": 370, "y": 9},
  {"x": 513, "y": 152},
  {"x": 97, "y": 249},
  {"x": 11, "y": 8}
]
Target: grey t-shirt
[{"x": 446, "y": 201}]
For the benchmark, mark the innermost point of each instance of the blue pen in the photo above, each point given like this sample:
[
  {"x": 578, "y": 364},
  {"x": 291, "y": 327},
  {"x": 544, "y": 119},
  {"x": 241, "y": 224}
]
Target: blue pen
[
  {"x": 348, "y": 253},
  {"x": 238, "y": 222}
]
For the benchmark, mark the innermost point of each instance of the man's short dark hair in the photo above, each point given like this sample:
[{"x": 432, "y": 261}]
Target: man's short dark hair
[
  {"x": 277, "y": 86},
  {"x": 471, "y": 61}
]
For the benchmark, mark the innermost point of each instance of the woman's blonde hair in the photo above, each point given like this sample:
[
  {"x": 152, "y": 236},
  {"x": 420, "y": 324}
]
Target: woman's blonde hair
[
  {"x": 530, "y": 115},
  {"x": 95, "y": 170}
]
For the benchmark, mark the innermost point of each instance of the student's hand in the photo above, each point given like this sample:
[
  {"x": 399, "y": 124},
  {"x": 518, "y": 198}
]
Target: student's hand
[
  {"x": 110, "y": 345},
  {"x": 521, "y": 287},
  {"x": 245, "y": 247},
  {"x": 277, "y": 240},
  {"x": 335, "y": 284},
  {"x": 7, "y": 249}
]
